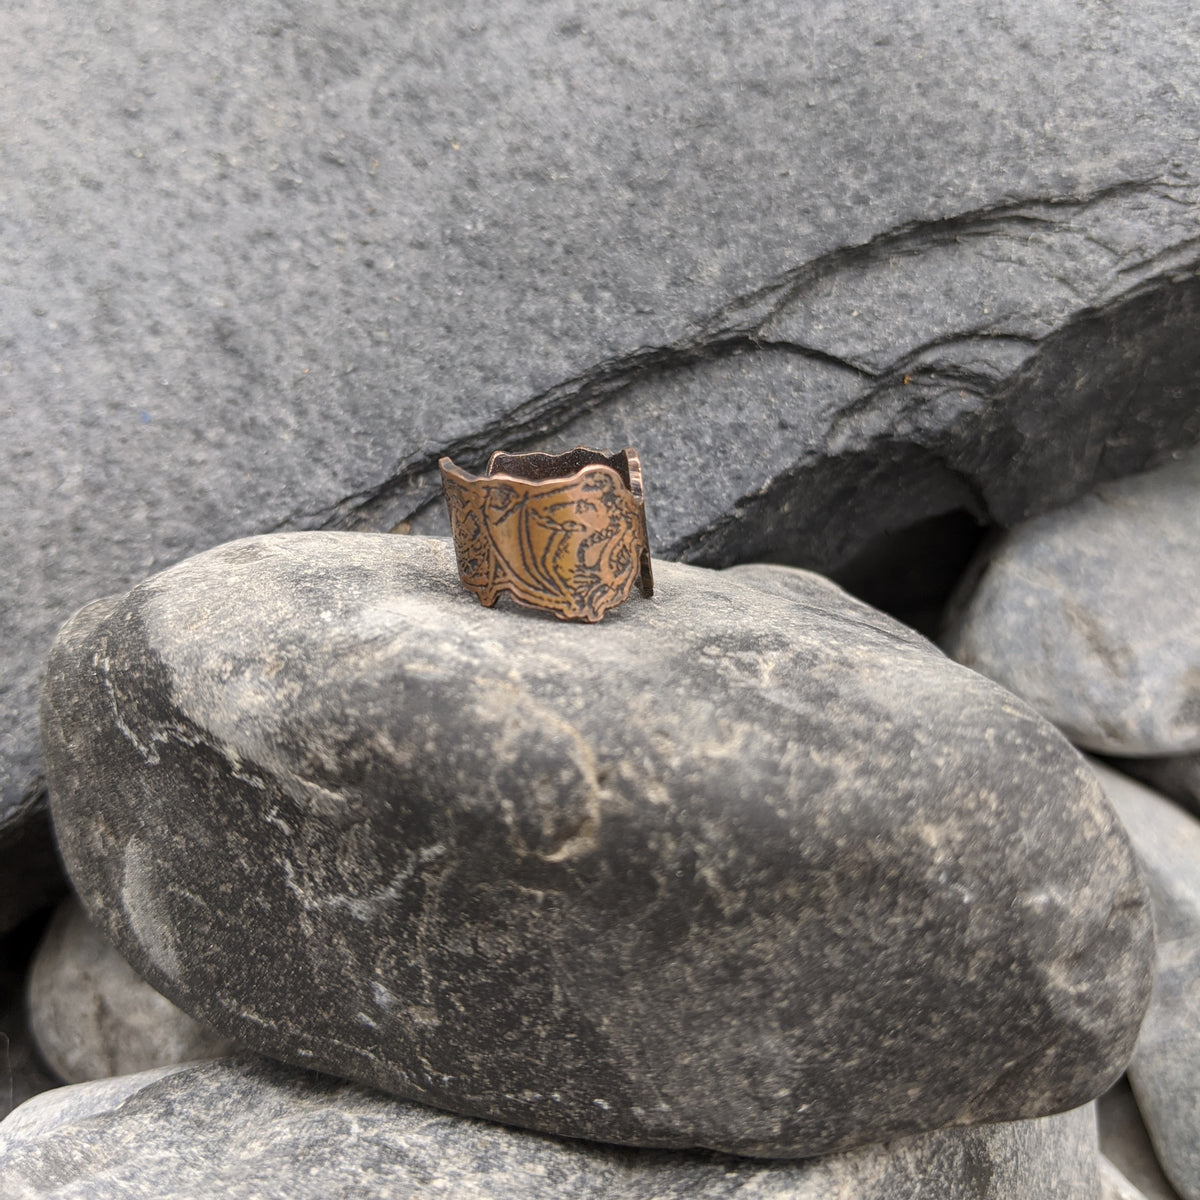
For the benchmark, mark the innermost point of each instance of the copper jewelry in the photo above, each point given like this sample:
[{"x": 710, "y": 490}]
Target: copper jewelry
[{"x": 564, "y": 533}]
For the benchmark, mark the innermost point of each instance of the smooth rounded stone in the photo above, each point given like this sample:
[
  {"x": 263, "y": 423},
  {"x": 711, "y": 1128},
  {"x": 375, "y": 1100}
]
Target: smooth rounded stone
[
  {"x": 753, "y": 871},
  {"x": 93, "y": 1016},
  {"x": 1089, "y": 613},
  {"x": 243, "y": 1128},
  {"x": 266, "y": 265},
  {"x": 1167, "y": 842},
  {"x": 1165, "y": 1070},
  {"x": 1177, "y": 777},
  {"x": 791, "y": 583},
  {"x": 1128, "y": 1164}
]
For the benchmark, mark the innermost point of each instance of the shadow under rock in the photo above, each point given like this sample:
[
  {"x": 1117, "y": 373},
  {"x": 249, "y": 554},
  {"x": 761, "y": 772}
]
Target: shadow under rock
[
  {"x": 22, "y": 1072},
  {"x": 911, "y": 573},
  {"x": 1125, "y": 1142}
]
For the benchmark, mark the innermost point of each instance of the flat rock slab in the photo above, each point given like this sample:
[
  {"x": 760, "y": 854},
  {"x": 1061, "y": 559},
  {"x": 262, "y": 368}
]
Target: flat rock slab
[
  {"x": 1090, "y": 614},
  {"x": 1165, "y": 1071},
  {"x": 250, "y": 1129},
  {"x": 93, "y": 1016},
  {"x": 832, "y": 269},
  {"x": 746, "y": 868}
]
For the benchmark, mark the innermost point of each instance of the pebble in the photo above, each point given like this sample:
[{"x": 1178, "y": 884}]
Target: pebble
[
  {"x": 93, "y": 1016},
  {"x": 1089, "y": 613}
]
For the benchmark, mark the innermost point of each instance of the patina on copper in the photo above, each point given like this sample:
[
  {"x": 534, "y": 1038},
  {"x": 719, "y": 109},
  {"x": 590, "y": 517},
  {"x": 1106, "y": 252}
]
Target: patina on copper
[{"x": 564, "y": 533}]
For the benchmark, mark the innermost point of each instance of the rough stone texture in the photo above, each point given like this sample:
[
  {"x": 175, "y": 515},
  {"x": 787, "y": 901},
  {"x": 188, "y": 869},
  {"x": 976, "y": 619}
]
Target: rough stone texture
[
  {"x": 72, "y": 1102},
  {"x": 248, "y": 1129},
  {"x": 1090, "y": 614},
  {"x": 1177, "y": 777},
  {"x": 831, "y": 268},
  {"x": 1165, "y": 1071},
  {"x": 1126, "y": 1150},
  {"x": 751, "y": 870},
  {"x": 93, "y": 1016}
]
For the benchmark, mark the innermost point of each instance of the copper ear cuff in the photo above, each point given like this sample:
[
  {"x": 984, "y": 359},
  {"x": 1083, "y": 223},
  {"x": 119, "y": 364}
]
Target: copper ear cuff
[{"x": 563, "y": 533}]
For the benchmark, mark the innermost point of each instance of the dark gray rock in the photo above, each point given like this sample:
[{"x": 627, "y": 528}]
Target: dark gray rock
[
  {"x": 1165, "y": 1071},
  {"x": 1089, "y": 613},
  {"x": 93, "y": 1016},
  {"x": 743, "y": 868},
  {"x": 1177, "y": 776},
  {"x": 833, "y": 270},
  {"x": 1128, "y": 1165},
  {"x": 245, "y": 1128}
]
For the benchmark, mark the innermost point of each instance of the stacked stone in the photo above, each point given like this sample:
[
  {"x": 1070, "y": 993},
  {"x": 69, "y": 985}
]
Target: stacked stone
[
  {"x": 748, "y": 890},
  {"x": 1090, "y": 615},
  {"x": 749, "y": 869},
  {"x": 834, "y": 270},
  {"x": 747, "y": 872}
]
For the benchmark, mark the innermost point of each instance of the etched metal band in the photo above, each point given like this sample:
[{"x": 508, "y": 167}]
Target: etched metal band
[{"x": 564, "y": 533}]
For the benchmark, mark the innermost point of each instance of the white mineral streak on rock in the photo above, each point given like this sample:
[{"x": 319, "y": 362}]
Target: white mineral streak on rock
[{"x": 142, "y": 899}]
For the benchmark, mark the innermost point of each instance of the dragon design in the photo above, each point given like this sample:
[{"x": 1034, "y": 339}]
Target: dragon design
[{"x": 573, "y": 543}]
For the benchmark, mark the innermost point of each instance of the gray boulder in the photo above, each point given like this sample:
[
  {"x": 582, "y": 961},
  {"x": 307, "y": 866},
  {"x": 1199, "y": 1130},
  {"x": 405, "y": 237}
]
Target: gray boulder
[
  {"x": 1165, "y": 1071},
  {"x": 92, "y": 1016},
  {"x": 832, "y": 271},
  {"x": 1089, "y": 613},
  {"x": 742, "y": 868},
  {"x": 251, "y": 1130}
]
